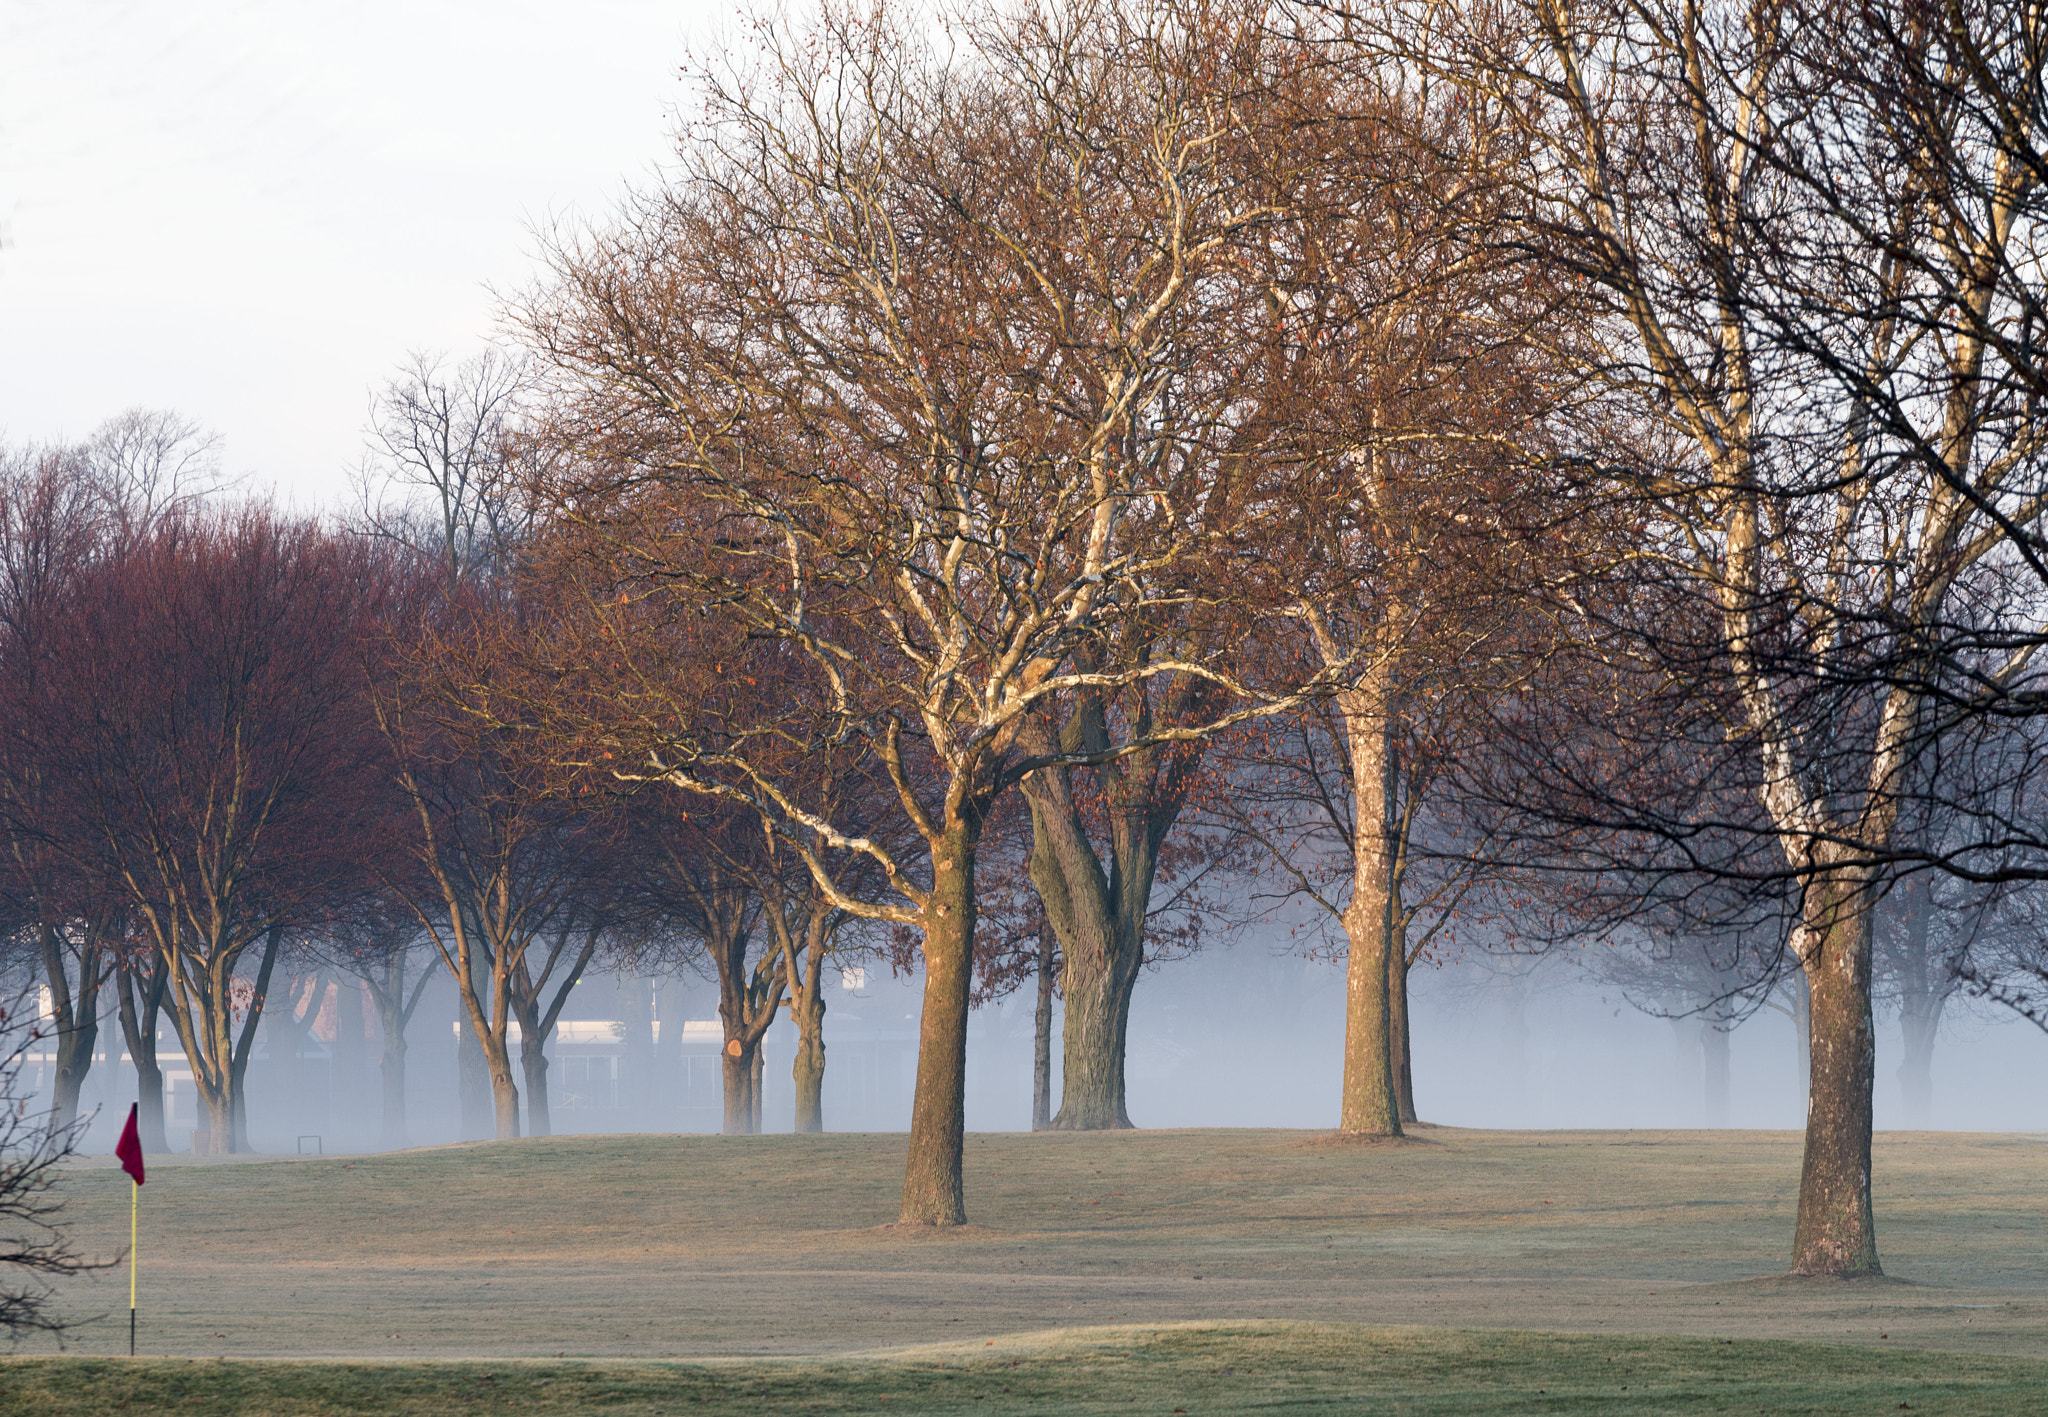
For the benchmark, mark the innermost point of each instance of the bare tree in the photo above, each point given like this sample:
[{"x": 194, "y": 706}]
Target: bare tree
[
  {"x": 443, "y": 471},
  {"x": 877, "y": 380},
  {"x": 1796, "y": 227}
]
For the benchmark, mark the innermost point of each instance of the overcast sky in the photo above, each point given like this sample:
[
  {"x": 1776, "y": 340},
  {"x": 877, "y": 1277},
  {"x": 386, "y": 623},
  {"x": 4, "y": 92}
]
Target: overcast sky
[{"x": 249, "y": 212}]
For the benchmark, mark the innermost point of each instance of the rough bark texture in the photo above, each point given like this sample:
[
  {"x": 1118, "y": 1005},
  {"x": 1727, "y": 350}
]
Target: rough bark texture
[
  {"x": 1836, "y": 1234},
  {"x": 1101, "y": 939},
  {"x": 739, "y": 1088},
  {"x": 1097, "y": 909},
  {"x": 932, "y": 1189},
  {"x": 1370, "y": 1105}
]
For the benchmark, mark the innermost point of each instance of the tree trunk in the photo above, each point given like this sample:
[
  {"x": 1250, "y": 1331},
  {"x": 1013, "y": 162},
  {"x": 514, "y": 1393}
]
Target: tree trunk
[
  {"x": 1714, "y": 1050},
  {"x": 244, "y": 1046},
  {"x": 1397, "y": 1013},
  {"x": 473, "y": 1077},
  {"x": 738, "y": 1061},
  {"x": 138, "y": 1026},
  {"x": 1041, "y": 1037},
  {"x": 808, "y": 1070},
  {"x": 1836, "y": 1234},
  {"x": 756, "y": 1090},
  {"x": 1370, "y": 1105},
  {"x": 932, "y": 1188},
  {"x": 533, "y": 1062},
  {"x": 504, "y": 1091},
  {"x": 1099, "y": 914},
  {"x": 75, "y": 1012}
]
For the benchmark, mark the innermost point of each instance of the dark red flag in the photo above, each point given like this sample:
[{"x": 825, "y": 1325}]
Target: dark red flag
[{"x": 129, "y": 1147}]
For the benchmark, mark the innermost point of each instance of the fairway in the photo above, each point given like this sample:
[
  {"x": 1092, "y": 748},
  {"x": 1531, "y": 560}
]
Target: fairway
[{"x": 663, "y": 1248}]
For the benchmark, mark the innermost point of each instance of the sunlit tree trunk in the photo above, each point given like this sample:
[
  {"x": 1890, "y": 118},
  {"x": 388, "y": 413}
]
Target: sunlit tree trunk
[
  {"x": 1370, "y": 1105},
  {"x": 1836, "y": 1233},
  {"x": 932, "y": 1188}
]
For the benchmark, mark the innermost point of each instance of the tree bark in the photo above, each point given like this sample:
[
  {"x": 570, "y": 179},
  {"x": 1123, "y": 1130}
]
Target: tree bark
[
  {"x": 138, "y": 1026},
  {"x": 1836, "y": 1233},
  {"x": 808, "y": 1069},
  {"x": 533, "y": 1062},
  {"x": 932, "y": 1188},
  {"x": 1370, "y": 1105},
  {"x": 1041, "y": 1036},
  {"x": 1397, "y": 1011}
]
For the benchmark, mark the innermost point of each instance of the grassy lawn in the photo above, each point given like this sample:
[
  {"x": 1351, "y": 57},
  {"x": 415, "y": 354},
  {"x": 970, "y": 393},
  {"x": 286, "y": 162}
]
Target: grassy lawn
[
  {"x": 1212, "y": 1271},
  {"x": 1197, "y": 1368}
]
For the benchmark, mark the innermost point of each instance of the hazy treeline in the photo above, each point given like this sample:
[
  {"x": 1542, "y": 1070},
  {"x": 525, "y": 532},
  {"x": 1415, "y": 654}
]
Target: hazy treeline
[{"x": 1502, "y": 475}]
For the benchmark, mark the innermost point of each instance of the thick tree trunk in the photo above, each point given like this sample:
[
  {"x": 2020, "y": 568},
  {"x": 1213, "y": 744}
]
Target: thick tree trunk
[
  {"x": 533, "y": 1062},
  {"x": 138, "y": 1027},
  {"x": 1041, "y": 1037},
  {"x": 1099, "y": 944},
  {"x": 504, "y": 1091},
  {"x": 1398, "y": 1016},
  {"x": 808, "y": 1070},
  {"x": 1098, "y": 912},
  {"x": 932, "y": 1187},
  {"x": 739, "y": 1074},
  {"x": 1836, "y": 1234},
  {"x": 217, "y": 1136},
  {"x": 1370, "y": 1106}
]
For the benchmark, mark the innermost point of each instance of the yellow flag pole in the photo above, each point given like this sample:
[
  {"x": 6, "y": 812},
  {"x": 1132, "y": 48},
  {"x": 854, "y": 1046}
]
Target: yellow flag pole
[{"x": 134, "y": 1204}]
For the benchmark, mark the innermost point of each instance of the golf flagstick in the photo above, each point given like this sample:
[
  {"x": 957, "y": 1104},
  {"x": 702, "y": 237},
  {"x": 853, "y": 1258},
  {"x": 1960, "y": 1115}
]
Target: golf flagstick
[{"x": 129, "y": 1150}]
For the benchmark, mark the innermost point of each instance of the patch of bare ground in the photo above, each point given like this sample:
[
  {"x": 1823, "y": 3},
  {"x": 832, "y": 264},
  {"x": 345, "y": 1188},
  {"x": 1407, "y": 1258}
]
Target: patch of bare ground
[{"x": 654, "y": 1247}]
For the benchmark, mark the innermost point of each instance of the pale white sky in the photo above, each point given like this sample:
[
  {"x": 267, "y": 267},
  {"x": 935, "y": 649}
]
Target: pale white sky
[{"x": 249, "y": 212}]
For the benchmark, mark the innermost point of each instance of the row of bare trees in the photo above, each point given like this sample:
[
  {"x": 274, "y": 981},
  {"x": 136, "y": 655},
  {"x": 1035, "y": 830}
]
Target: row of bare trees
[
  {"x": 1614, "y": 425},
  {"x": 1535, "y": 470}
]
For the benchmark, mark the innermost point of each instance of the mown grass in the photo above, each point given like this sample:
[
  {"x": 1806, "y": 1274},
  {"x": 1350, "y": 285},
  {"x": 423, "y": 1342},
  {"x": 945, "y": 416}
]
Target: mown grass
[
  {"x": 654, "y": 1247},
  {"x": 1192, "y": 1368}
]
